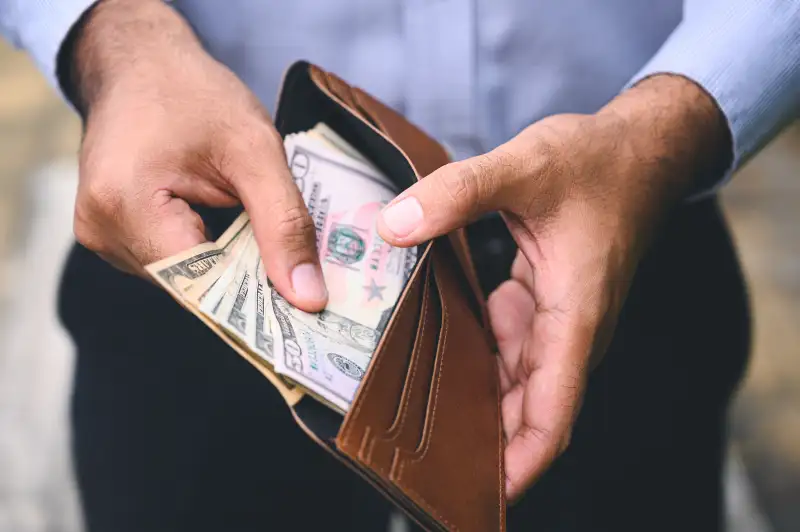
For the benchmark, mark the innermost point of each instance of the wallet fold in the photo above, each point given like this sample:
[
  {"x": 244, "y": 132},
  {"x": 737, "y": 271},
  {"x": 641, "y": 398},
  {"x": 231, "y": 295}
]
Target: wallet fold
[{"x": 424, "y": 428}]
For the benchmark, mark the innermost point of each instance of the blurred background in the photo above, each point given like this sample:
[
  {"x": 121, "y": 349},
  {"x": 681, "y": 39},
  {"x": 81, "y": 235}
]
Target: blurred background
[{"x": 39, "y": 139}]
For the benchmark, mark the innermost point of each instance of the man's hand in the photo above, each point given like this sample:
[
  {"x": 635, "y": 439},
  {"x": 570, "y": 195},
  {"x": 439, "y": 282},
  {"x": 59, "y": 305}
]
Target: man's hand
[
  {"x": 582, "y": 196},
  {"x": 168, "y": 126}
]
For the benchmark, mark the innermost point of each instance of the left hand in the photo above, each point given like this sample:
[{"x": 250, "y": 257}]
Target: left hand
[{"x": 582, "y": 196}]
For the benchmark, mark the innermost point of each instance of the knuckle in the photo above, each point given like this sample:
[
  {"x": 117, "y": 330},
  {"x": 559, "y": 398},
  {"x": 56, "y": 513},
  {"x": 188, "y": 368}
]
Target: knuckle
[
  {"x": 462, "y": 187},
  {"x": 145, "y": 250},
  {"x": 478, "y": 182},
  {"x": 98, "y": 193},
  {"x": 98, "y": 209},
  {"x": 242, "y": 151},
  {"x": 84, "y": 212},
  {"x": 87, "y": 235},
  {"x": 550, "y": 163},
  {"x": 295, "y": 229},
  {"x": 546, "y": 160},
  {"x": 540, "y": 441},
  {"x": 101, "y": 196},
  {"x": 504, "y": 165}
]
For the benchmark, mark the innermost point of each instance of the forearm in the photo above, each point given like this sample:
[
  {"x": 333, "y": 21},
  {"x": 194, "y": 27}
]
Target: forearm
[{"x": 118, "y": 41}]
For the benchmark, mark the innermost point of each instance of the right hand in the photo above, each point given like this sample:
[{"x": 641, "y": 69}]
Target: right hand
[{"x": 168, "y": 126}]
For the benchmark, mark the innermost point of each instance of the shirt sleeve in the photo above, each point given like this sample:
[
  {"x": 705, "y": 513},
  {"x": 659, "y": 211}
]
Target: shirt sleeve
[
  {"x": 746, "y": 55},
  {"x": 39, "y": 27}
]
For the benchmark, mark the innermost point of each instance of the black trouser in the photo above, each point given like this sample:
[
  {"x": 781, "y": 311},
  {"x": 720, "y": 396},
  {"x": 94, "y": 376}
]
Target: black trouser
[{"x": 174, "y": 431}]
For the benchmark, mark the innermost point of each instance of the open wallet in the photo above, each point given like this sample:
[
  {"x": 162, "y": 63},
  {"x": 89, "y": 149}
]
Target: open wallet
[{"x": 424, "y": 426}]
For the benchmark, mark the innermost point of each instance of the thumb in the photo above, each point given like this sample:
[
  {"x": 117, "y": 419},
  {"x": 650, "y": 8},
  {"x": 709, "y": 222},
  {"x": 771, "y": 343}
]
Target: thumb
[
  {"x": 283, "y": 229},
  {"x": 451, "y": 197}
]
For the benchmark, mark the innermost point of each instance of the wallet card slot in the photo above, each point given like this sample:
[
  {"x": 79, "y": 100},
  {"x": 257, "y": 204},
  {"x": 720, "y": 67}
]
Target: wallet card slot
[
  {"x": 457, "y": 470},
  {"x": 378, "y": 397},
  {"x": 431, "y": 394},
  {"x": 430, "y": 398},
  {"x": 406, "y": 429}
]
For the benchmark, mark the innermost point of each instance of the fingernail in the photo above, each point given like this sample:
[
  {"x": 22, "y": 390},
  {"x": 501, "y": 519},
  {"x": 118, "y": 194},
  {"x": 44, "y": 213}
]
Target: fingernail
[
  {"x": 307, "y": 282},
  {"x": 403, "y": 217}
]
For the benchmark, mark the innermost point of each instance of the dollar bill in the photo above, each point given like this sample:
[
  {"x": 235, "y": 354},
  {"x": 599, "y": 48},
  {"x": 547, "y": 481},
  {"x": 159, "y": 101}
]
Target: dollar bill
[
  {"x": 262, "y": 340},
  {"x": 233, "y": 251},
  {"x": 323, "y": 140},
  {"x": 364, "y": 274},
  {"x": 329, "y": 352},
  {"x": 211, "y": 303},
  {"x": 323, "y": 132},
  {"x": 179, "y": 273},
  {"x": 319, "y": 351},
  {"x": 234, "y": 313}
]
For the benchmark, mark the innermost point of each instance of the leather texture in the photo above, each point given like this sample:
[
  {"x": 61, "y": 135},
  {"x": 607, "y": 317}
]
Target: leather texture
[{"x": 424, "y": 427}]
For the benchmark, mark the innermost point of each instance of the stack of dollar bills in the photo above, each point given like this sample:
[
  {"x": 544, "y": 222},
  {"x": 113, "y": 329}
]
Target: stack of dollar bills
[{"x": 325, "y": 353}]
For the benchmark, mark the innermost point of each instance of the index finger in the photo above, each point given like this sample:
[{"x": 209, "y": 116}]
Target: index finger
[{"x": 281, "y": 223}]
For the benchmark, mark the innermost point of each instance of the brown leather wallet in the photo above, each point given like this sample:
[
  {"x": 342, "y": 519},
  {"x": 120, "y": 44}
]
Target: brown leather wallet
[{"x": 424, "y": 427}]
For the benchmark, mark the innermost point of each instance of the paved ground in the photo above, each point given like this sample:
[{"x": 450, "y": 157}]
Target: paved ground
[{"x": 36, "y": 489}]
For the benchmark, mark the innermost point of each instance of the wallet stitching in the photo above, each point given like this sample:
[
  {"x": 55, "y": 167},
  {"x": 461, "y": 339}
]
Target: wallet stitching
[
  {"x": 421, "y": 499},
  {"x": 419, "y": 457},
  {"x": 393, "y": 430},
  {"x": 368, "y": 384},
  {"x": 446, "y": 324},
  {"x": 429, "y": 507},
  {"x": 422, "y": 336},
  {"x": 364, "y": 442}
]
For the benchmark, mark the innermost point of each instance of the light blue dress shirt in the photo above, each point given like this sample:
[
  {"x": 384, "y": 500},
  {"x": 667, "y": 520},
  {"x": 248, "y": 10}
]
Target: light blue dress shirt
[{"x": 475, "y": 72}]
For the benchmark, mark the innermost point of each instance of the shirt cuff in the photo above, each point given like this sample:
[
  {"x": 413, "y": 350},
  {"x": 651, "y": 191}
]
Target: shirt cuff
[
  {"x": 40, "y": 28},
  {"x": 746, "y": 55}
]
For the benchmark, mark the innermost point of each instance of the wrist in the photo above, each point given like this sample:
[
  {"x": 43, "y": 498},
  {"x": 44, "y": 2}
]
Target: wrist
[
  {"x": 675, "y": 131},
  {"x": 668, "y": 136},
  {"x": 116, "y": 42}
]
